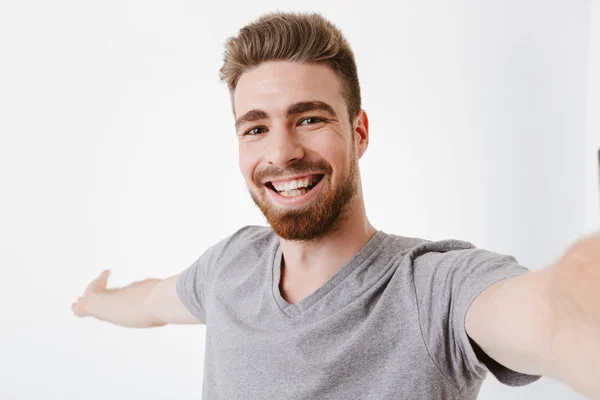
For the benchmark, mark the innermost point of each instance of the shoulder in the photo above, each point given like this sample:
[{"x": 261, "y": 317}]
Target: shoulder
[
  {"x": 250, "y": 234},
  {"x": 425, "y": 259},
  {"x": 247, "y": 239},
  {"x": 455, "y": 253},
  {"x": 424, "y": 250},
  {"x": 425, "y": 246}
]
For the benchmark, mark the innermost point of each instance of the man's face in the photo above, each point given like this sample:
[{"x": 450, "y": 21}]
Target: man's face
[{"x": 296, "y": 148}]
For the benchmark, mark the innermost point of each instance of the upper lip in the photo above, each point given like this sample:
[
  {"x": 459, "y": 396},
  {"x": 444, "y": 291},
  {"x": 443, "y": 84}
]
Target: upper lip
[{"x": 290, "y": 178}]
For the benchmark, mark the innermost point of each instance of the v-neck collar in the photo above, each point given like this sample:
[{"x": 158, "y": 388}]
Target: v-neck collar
[{"x": 292, "y": 310}]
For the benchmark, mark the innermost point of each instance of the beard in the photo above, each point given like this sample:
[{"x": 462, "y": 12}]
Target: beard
[{"x": 322, "y": 215}]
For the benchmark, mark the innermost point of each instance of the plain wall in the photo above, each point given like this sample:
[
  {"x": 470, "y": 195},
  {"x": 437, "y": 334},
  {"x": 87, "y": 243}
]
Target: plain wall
[
  {"x": 592, "y": 126},
  {"x": 117, "y": 150}
]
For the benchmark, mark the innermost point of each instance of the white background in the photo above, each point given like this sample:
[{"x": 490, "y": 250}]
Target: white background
[{"x": 117, "y": 150}]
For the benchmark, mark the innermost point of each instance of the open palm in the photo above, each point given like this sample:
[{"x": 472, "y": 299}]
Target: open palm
[{"x": 94, "y": 288}]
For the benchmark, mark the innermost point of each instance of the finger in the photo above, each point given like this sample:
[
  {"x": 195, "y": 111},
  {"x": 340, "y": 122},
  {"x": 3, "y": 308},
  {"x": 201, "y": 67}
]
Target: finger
[
  {"x": 75, "y": 307},
  {"x": 99, "y": 283},
  {"x": 79, "y": 307},
  {"x": 103, "y": 279}
]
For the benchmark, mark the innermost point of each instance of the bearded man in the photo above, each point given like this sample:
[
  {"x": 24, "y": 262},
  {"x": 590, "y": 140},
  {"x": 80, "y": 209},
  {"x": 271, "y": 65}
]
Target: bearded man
[{"x": 322, "y": 305}]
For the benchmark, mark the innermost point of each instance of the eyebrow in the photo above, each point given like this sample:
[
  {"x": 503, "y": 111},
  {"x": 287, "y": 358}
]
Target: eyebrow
[{"x": 296, "y": 108}]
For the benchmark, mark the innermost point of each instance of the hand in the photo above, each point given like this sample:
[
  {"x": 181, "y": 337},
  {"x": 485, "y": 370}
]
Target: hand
[
  {"x": 576, "y": 281},
  {"x": 574, "y": 291},
  {"x": 94, "y": 288},
  {"x": 585, "y": 251}
]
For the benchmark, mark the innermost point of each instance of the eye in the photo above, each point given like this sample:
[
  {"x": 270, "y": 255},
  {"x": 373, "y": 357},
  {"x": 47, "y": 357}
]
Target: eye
[
  {"x": 252, "y": 132},
  {"x": 317, "y": 119}
]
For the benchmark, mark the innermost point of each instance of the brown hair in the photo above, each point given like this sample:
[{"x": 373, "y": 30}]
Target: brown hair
[{"x": 294, "y": 37}]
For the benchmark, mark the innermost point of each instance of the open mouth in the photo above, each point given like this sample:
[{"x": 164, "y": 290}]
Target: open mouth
[{"x": 295, "y": 187}]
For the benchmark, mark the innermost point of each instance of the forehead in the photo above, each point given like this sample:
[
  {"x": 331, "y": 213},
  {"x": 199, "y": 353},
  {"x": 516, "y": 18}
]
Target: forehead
[{"x": 274, "y": 85}]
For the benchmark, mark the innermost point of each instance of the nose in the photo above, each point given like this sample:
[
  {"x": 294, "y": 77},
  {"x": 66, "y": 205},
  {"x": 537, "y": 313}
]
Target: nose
[{"x": 284, "y": 148}]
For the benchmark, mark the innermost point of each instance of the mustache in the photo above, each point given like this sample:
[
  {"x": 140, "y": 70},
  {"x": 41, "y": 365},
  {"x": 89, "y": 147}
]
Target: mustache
[{"x": 272, "y": 172}]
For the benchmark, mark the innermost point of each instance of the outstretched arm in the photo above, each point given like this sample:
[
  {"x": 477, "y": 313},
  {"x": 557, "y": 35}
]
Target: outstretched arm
[
  {"x": 546, "y": 322},
  {"x": 144, "y": 304}
]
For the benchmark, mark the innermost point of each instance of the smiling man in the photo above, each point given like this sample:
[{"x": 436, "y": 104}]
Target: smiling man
[{"x": 322, "y": 305}]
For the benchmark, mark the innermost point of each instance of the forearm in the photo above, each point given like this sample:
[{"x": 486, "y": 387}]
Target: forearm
[{"x": 124, "y": 306}]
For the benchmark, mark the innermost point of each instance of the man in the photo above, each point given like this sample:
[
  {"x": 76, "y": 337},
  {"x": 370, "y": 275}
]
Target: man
[{"x": 321, "y": 305}]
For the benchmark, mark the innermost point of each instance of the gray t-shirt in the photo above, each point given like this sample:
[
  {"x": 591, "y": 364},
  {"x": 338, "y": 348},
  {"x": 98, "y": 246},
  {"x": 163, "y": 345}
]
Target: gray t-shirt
[{"x": 390, "y": 324}]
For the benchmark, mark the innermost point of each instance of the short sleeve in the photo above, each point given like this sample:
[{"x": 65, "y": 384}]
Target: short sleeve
[
  {"x": 191, "y": 286},
  {"x": 449, "y": 275},
  {"x": 194, "y": 284}
]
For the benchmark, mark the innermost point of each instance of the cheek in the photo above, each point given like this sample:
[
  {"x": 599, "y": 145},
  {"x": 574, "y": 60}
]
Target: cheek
[
  {"x": 336, "y": 154},
  {"x": 333, "y": 149},
  {"x": 328, "y": 145}
]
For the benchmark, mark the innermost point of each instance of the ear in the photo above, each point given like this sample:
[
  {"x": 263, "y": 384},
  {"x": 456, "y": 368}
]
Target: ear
[{"x": 361, "y": 132}]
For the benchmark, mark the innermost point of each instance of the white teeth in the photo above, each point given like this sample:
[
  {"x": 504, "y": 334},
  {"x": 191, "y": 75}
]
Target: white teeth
[
  {"x": 293, "y": 192},
  {"x": 293, "y": 184}
]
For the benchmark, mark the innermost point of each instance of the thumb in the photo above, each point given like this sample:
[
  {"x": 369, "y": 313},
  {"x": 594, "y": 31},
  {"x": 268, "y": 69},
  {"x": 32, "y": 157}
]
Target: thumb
[{"x": 100, "y": 282}]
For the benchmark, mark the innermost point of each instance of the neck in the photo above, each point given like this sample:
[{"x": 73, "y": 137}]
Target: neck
[{"x": 326, "y": 255}]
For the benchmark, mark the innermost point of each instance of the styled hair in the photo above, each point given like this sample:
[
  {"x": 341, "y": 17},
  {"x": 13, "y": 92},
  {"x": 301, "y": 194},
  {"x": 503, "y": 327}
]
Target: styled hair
[{"x": 295, "y": 37}]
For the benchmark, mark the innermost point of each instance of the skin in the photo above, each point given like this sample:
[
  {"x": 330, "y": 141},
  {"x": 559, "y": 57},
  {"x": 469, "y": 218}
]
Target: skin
[{"x": 279, "y": 142}]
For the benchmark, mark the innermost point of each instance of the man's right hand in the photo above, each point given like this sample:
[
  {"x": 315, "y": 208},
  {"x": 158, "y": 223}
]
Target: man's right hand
[
  {"x": 145, "y": 304},
  {"x": 95, "y": 287}
]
